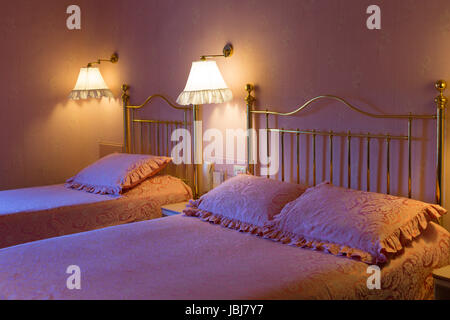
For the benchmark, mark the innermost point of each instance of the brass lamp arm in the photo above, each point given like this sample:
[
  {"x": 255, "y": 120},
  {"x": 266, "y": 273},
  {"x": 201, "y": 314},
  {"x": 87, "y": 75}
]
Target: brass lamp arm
[
  {"x": 114, "y": 59},
  {"x": 227, "y": 52}
]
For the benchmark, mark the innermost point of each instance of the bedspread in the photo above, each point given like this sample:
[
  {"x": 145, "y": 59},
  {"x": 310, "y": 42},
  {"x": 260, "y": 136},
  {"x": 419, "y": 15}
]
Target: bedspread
[
  {"x": 184, "y": 258},
  {"x": 43, "y": 212}
]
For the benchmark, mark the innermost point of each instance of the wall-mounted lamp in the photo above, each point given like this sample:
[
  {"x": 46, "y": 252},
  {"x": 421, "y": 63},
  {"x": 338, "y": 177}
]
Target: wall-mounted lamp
[
  {"x": 205, "y": 83},
  {"x": 90, "y": 83}
]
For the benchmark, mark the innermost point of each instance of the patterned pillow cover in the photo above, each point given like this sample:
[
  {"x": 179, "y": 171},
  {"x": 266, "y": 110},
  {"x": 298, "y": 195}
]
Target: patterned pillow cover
[
  {"x": 244, "y": 202},
  {"x": 363, "y": 225},
  {"x": 117, "y": 172}
]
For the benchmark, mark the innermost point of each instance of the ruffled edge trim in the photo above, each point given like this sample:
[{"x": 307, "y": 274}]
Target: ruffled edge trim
[
  {"x": 94, "y": 188},
  {"x": 136, "y": 174},
  {"x": 389, "y": 247},
  {"x": 143, "y": 170},
  {"x": 205, "y": 96},
  {"x": 192, "y": 210},
  {"x": 412, "y": 229},
  {"x": 270, "y": 233},
  {"x": 85, "y": 94},
  {"x": 288, "y": 238}
]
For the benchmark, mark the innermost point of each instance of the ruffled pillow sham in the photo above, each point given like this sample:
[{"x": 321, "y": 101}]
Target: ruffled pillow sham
[
  {"x": 244, "y": 202},
  {"x": 117, "y": 172},
  {"x": 366, "y": 226}
]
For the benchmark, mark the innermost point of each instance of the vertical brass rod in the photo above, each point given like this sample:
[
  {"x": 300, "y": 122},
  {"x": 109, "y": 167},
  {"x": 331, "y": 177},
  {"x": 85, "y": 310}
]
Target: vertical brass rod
[
  {"x": 149, "y": 138},
  {"x": 249, "y": 99},
  {"x": 439, "y": 154},
  {"x": 388, "y": 166},
  {"x": 282, "y": 157},
  {"x": 142, "y": 138},
  {"x": 267, "y": 142},
  {"x": 441, "y": 103},
  {"x": 314, "y": 158},
  {"x": 167, "y": 139},
  {"x": 368, "y": 164},
  {"x": 126, "y": 119},
  {"x": 331, "y": 157},
  {"x": 158, "y": 138},
  {"x": 132, "y": 135},
  {"x": 185, "y": 126},
  {"x": 349, "y": 160},
  {"x": 195, "y": 118},
  {"x": 298, "y": 157},
  {"x": 410, "y": 158}
]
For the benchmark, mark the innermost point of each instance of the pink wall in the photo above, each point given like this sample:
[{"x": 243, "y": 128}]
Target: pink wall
[
  {"x": 291, "y": 49},
  {"x": 44, "y": 137}
]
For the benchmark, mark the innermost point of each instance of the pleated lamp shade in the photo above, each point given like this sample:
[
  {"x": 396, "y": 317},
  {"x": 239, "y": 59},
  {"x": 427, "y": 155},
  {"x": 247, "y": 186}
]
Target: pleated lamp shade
[
  {"x": 205, "y": 85},
  {"x": 90, "y": 84}
]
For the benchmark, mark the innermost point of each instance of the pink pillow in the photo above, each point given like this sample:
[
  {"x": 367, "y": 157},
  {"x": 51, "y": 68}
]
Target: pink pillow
[
  {"x": 362, "y": 225},
  {"x": 244, "y": 202},
  {"x": 117, "y": 172}
]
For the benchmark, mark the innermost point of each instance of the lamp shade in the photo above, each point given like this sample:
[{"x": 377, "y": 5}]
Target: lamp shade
[
  {"x": 90, "y": 84},
  {"x": 205, "y": 85}
]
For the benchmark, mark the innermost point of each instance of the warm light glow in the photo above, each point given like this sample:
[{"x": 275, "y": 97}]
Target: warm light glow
[
  {"x": 205, "y": 85},
  {"x": 90, "y": 84}
]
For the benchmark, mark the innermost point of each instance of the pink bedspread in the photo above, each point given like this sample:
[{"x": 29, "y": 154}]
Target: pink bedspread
[
  {"x": 185, "y": 258},
  {"x": 44, "y": 212}
]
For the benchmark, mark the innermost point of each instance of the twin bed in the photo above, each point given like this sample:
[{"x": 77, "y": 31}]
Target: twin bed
[
  {"x": 184, "y": 258},
  {"x": 44, "y": 212},
  {"x": 38, "y": 213},
  {"x": 251, "y": 238}
]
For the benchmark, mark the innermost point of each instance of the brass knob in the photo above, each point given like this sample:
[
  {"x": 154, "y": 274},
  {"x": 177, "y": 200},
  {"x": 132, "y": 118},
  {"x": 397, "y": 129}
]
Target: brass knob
[{"x": 441, "y": 85}]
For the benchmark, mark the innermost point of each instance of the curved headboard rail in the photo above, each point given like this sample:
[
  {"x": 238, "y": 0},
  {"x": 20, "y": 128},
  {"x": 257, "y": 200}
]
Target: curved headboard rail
[
  {"x": 162, "y": 97},
  {"x": 127, "y": 116},
  {"x": 441, "y": 102},
  {"x": 129, "y": 120},
  {"x": 349, "y": 105}
]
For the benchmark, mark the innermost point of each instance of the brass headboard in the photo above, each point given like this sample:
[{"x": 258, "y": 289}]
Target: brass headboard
[
  {"x": 162, "y": 130},
  {"x": 441, "y": 102}
]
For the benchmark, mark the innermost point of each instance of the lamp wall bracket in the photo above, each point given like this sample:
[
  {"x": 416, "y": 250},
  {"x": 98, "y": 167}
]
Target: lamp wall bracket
[
  {"x": 114, "y": 59},
  {"x": 228, "y": 51}
]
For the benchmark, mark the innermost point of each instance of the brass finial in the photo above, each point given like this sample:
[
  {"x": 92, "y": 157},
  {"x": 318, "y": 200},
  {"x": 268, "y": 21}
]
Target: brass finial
[
  {"x": 441, "y": 100},
  {"x": 125, "y": 95},
  {"x": 441, "y": 85},
  {"x": 249, "y": 88}
]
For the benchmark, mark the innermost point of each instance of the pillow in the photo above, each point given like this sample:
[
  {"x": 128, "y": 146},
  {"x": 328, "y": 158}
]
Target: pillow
[
  {"x": 244, "y": 202},
  {"x": 117, "y": 172},
  {"x": 362, "y": 225}
]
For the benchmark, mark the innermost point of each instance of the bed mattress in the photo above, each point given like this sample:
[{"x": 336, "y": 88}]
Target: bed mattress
[
  {"x": 43, "y": 212},
  {"x": 185, "y": 258}
]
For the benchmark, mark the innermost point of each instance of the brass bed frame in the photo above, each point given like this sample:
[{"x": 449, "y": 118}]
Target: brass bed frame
[
  {"x": 441, "y": 102},
  {"x": 160, "y": 130}
]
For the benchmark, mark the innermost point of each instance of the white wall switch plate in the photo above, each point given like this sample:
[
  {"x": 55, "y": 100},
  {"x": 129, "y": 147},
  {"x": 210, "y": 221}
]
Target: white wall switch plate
[{"x": 239, "y": 170}]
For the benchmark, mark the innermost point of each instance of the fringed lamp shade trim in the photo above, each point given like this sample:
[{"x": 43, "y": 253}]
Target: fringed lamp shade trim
[
  {"x": 205, "y": 85},
  {"x": 85, "y": 94},
  {"x": 90, "y": 84},
  {"x": 205, "y": 96}
]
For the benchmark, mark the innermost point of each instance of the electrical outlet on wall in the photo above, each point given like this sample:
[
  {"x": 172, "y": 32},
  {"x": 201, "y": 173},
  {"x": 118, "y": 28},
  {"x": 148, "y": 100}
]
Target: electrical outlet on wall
[{"x": 239, "y": 170}]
